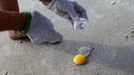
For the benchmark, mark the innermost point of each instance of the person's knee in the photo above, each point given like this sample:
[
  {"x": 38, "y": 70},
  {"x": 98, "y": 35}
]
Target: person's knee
[{"x": 9, "y": 5}]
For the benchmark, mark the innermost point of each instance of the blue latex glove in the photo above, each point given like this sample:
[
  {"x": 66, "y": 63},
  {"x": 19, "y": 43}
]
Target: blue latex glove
[
  {"x": 70, "y": 10},
  {"x": 42, "y": 30}
]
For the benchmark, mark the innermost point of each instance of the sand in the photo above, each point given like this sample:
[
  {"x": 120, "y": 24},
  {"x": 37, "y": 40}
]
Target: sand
[{"x": 111, "y": 33}]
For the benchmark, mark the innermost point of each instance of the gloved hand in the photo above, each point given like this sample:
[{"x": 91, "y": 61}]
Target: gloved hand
[
  {"x": 42, "y": 30},
  {"x": 70, "y": 10}
]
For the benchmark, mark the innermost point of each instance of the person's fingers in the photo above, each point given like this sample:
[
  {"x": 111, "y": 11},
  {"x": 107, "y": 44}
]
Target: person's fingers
[
  {"x": 68, "y": 18},
  {"x": 80, "y": 10},
  {"x": 42, "y": 30},
  {"x": 68, "y": 7}
]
